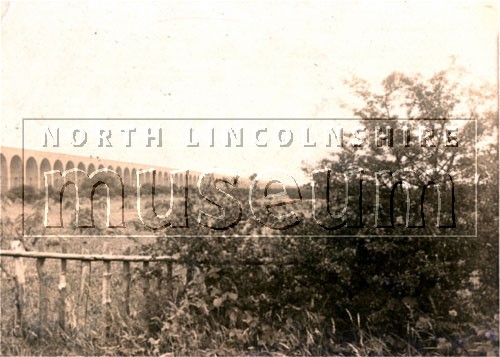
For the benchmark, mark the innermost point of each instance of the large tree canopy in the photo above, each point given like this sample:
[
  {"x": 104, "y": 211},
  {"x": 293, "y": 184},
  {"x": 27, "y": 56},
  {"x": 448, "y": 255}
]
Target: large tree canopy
[{"x": 398, "y": 283}]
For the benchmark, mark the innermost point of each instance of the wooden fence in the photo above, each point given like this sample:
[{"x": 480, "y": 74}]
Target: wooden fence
[{"x": 18, "y": 253}]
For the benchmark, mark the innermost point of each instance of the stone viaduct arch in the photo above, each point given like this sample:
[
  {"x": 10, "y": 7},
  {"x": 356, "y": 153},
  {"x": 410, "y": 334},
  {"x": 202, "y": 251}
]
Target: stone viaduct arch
[{"x": 36, "y": 163}]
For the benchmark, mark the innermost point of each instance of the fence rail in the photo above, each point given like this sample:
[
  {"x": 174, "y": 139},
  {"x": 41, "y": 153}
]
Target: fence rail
[
  {"x": 18, "y": 254},
  {"x": 88, "y": 257}
]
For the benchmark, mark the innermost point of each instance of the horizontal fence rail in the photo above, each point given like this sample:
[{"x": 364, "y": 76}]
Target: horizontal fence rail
[
  {"x": 19, "y": 254},
  {"x": 141, "y": 258},
  {"x": 88, "y": 257}
]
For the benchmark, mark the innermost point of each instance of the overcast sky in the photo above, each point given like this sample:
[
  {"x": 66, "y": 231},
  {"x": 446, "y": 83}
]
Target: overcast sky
[{"x": 223, "y": 60}]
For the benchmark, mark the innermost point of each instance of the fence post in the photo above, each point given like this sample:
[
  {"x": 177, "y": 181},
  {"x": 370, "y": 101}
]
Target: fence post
[
  {"x": 42, "y": 292},
  {"x": 126, "y": 286},
  {"x": 62, "y": 288},
  {"x": 19, "y": 268},
  {"x": 42, "y": 289},
  {"x": 84, "y": 290},
  {"x": 147, "y": 299},
  {"x": 159, "y": 281},
  {"x": 169, "y": 276},
  {"x": 145, "y": 267},
  {"x": 106, "y": 295}
]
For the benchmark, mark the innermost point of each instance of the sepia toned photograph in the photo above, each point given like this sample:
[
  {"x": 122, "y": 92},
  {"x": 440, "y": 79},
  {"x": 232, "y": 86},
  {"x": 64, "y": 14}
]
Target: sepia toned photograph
[{"x": 249, "y": 178}]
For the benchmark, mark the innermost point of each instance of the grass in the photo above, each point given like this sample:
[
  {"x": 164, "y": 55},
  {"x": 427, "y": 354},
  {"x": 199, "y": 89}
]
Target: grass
[{"x": 194, "y": 318}]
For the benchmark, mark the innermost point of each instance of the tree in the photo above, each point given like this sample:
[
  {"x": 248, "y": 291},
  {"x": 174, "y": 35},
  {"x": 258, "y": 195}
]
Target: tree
[{"x": 396, "y": 284}]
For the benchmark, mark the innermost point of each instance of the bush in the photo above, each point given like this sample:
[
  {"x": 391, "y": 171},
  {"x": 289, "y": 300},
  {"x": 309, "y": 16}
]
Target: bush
[{"x": 31, "y": 194}]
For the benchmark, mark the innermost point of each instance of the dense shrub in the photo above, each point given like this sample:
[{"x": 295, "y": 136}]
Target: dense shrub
[
  {"x": 325, "y": 294},
  {"x": 31, "y": 194},
  {"x": 332, "y": 295}
]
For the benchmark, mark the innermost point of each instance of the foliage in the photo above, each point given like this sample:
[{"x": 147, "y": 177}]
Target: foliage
[
  {"x": 328, "y": 294},
  {"x": 414, "y": 294}
]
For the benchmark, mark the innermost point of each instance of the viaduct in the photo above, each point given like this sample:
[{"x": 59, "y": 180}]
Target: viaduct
[{"x": 36, "y": 163}]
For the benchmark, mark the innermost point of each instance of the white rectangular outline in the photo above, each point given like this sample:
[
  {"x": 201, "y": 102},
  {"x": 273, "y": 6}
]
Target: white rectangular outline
[{"x": 159, "y": 234}]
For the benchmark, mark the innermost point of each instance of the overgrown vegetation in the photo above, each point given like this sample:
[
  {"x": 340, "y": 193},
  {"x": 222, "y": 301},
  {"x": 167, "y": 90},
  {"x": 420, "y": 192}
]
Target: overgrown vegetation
[{"x": 328, "y": 295}]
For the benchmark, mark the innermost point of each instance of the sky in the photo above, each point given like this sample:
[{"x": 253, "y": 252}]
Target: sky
[{"x": 223, "y": 60}]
